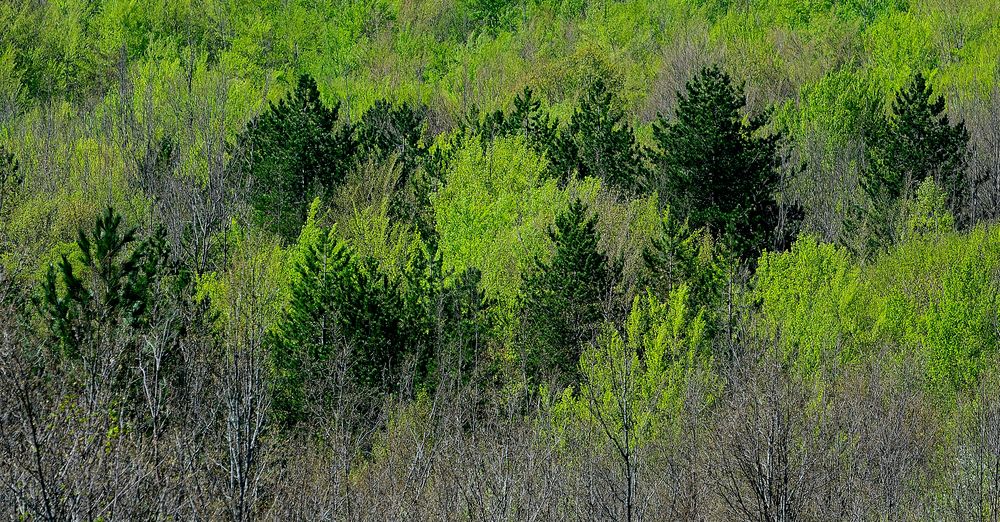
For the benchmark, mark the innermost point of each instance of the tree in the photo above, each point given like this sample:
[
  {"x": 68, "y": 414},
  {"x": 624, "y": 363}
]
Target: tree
[
  {"x": 716, "y": 168},
  {"x": 926, "y": 213},
  {"x": 297, "y": 150},
  {"x": 599, "y": 142},
  {"x": 115, "y": 289},
  {"x": 528, "y": 119},
  {"x": 635, "y": 384},
  {"x": 385, "y": 130},
  {"x": 447, "y": 320},
  {"x": 565, "y": 297},
  {"x": 679, "y": 256},
  {"x": 11, "y": 179},
  {"x": 122, "y": 320},
  {"x": 917, "y": 142},
  {"x": 339, "y": 306}
]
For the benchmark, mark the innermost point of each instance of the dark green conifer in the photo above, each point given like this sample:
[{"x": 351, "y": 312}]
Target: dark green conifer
[
  {"x": 297, "y": 150},
  {"x": 385, "y": 130},
  {"x": 715, "y": 168},
  {"x": 600, "y": 142},
  {"x": 11, "y": 178},
  {"x": 917, "y": 142},
  {"x": 339, "y": 305},
  {"x": 115, "y": 290},
  {"x": 678, "y": 255},
  {"x": 528, "y": 119},
  {"x": 565, "y": 297}
]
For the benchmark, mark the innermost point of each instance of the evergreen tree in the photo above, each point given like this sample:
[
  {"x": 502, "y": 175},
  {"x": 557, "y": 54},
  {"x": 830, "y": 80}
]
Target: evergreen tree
[
  {"x": 296, "y": 151},
  {"x": 385, "y": 130},
  {"x": 528, "y": 119},
  {"x": 565, "y": 297},
  {"x": 447, "y": 319},
  {"x": 917, "y": 142},
  {"x": 600, "y": 142},
  {"x": 115, "y": 289},
  {"x": 120, "y": 317},
  {"x": 679, "y": 256},
  {"x": 714, "y": 166},
  {"x": 469, "y": 324},
  {"x": 11, "y": 178},
  {"x": 339, "y": 306}
]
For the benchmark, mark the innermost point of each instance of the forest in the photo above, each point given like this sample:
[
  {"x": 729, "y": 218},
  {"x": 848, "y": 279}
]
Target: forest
[{"x": 500, "y": 260}]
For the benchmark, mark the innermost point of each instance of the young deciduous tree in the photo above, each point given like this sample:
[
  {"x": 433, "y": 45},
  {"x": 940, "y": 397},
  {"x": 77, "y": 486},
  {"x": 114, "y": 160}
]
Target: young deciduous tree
[
  {"x": 716, "y": 167},
  {"x": 565, "y": 297},
  {"x": 297, "y": 150}
]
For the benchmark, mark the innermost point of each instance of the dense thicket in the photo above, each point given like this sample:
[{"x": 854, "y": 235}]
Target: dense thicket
[{"x": 482, "y": 259}]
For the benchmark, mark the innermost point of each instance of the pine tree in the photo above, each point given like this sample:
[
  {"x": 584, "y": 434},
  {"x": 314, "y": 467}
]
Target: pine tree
[
  {"x": 600, "y": 142},
  {"x": 115, "y": 290},
  {"x": 917, "y": 142},
  {"x": 339, "y": 305},
  {"x": 118, "y": 318},
  {"x": 565, "y": 297},
  {"x": 11, "y": 178},
  {"x": 528, "y": 119},
  {"x": 447, "y": 319},
  {"x": 297, "y": 150},
  {"x": 385, "y": 130},
  {"x": 714, "y": 166},
  {"x": 679, "y": 256}
]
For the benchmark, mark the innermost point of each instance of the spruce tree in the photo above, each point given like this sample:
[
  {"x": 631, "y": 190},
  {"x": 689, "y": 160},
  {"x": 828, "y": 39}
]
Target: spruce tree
[
  {"x": 917, "y": 142},
  {"x": 715, "y": 168},
  {"x": 296, "y": 150},
  {"x": 565, "y": 297}
]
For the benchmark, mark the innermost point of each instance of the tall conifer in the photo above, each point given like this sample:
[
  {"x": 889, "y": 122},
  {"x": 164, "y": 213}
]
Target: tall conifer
[
  {"x": 716, "y": 168},
  {"x": 565, "y": 297}
]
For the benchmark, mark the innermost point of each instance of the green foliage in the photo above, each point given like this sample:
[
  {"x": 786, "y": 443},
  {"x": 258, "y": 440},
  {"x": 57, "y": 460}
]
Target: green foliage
[
  {"x": 635, "y": 383},
  {"x": 115, "y": 289},
  {"x": 934, "y": 296},
  {"x": 11, "y": 180},
  {"x": 528, "y": 119},
  {"x": 811, "y": 298},
  {"x": 341, "y": 311},
  {"x": 927, "y": 213},
  {"x": 716, "y": 168},
  {"x": 566, "y": 298},
  {"x": 918, "y": 142},
  {"x": 385, "y": 130},
  {"x": 492, "y": 213},
  {"x": 600, "y": 142},
  {"x": 297, "y": 151},
  {"x": 679, "y": 256},
  {"x": 449, "y": 320},
  {"x": 491, "y": 15}
]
